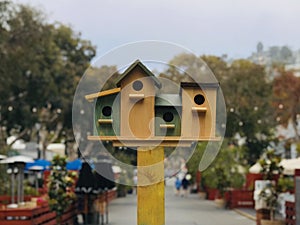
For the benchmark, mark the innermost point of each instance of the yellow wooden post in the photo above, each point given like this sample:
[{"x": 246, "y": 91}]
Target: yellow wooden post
[{"x": 151, "y": 189}]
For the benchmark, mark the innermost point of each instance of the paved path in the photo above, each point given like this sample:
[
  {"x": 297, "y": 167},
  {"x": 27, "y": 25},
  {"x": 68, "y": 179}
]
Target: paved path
[{"x": 179, "y": 211}]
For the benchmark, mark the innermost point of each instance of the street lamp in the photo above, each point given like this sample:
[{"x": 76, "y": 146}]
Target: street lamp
[
  {"x": 20, "y": 165},
  {"x": 36, "y": 170},
  {"x": 12, "y": 171}
]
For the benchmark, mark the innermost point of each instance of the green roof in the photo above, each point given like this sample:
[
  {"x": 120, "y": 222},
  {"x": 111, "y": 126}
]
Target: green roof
[
  {"x": 200, "y": 85},
  {"x": 138, "y": 63},
  {"x": 168, "y": 100}
]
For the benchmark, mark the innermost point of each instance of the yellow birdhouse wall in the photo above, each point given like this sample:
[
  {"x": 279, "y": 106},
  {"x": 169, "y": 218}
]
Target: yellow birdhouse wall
[
  {"x": 137, "y": 104},
  {"x": 198, "y": 111}
]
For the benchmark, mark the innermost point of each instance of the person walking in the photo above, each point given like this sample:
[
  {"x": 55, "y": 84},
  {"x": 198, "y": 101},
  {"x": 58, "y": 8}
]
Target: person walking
[
  {"x": 177, "y": 186},
  {"x": 185, "y": 185}
]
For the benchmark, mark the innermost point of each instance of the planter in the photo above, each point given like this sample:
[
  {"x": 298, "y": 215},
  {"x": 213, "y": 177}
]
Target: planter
[
  {"x": 202, "y": 195},
  {"x": 211, "y": 194},
  {"x": 262, "y": 214},
  {"x": 272, "y": 222},
  {"x": 220, "y": 203}
]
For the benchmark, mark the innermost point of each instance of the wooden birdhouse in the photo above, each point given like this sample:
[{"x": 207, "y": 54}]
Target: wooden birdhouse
[
  {"x": 138, "y": 85},
  {"x": 199, "y": 110},
  {"x": 134, "y": 114},
  {"x": 168, "y": 115},
  {"x": 107, "y": 112}
]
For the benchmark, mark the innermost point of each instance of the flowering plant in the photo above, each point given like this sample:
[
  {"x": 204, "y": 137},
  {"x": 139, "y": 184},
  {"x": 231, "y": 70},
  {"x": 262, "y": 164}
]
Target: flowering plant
[
  {"x": 271, "y": 168},
  {"x": 61, "y": 186},
  {"x": 270, "y": 196}
]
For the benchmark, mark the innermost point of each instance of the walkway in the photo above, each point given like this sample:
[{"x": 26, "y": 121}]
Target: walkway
[{"x": 179, "y": 211}]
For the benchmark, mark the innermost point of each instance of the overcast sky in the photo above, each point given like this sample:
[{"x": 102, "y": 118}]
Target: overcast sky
[{"x": 217, "y": 27}]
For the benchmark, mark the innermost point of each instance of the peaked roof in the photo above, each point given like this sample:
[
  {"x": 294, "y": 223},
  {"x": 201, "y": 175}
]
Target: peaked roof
[{"x": 138, "y": 63}]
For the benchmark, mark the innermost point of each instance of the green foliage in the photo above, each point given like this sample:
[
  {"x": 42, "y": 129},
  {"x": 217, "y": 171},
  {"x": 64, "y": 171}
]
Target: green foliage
[
  {"x": 248, "y": 102},
  {"x": 40, "y": 66},
  {"x": 61, "y": 186},
  {"x": 4, "y": 177},
  {"x": 286, "y": 100},
  {"x": 298, "y": 148},
  {"x": 247, "y": 95},
  {"x": 5, "y": 180},
  {"x": 29, "y": 190},
  {"x": 226, "y": 171},
  {"x": 285, "y": 184},
  {"x": 270, "y": 165},
  {"x": 270, "y": 195},
  {"x": 193, "y": 163}
]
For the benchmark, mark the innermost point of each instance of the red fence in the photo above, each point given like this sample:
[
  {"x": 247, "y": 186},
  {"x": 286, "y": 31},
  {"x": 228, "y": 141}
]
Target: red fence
[
  {"x": 5, "y": 199},
  {"x": 234, "y": 198},
  {"x": 290, "y": 211},
  {"x": 239, "y": 199},
  {"x": 211, "y": 193},
  {"x": 35, "y": 216},
  {"x": 40, "y": 215}
]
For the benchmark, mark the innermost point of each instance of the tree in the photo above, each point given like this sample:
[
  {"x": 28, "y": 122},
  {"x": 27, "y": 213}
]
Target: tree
[
  {"x": 40, "y": 66},
  {"x": 246, "y": 91},
  {"x": 188, "y": 68},
  {"x": 248, "y": 101},
  {"x": 226, "y": 170},
  {"x": 218, "y": 66},
  {"x": 286, "y": 100}
]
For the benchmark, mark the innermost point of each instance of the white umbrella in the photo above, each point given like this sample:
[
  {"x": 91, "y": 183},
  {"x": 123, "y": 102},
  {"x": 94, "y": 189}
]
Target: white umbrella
[
  {"x": 36, "y": 168},
  {"x": 256, "y": 168},
  {"x": 58, "y": 148},
  {"x": 3, "y": 157},
  {"x": 289, "y": 165},
  {"x": 18, "y": 158}
]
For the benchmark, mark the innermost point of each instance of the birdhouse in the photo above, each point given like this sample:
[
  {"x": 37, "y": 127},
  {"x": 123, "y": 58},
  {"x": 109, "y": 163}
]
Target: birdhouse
[
  {"x": 167, "y": 115},
  {"x": 107, "y": 112},
  {"x": 138, "y": 85},
  {"x": 135, "y": 115},
  {"x": 199, "y": 110}
]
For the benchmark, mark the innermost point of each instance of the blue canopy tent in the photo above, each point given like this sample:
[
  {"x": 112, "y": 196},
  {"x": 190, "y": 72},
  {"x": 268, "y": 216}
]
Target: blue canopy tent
[
  {"x": 74, "y": 165},
  {"x": 45, "y": 164}
]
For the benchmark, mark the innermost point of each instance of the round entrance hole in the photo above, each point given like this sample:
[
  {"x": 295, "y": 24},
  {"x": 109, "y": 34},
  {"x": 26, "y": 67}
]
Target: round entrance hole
[
  {"x": 137, "y": 85},
  {"x": 199, "y": 99},
  {"x": 168, "y": 117},
  {"x": 106, "y": 111}
]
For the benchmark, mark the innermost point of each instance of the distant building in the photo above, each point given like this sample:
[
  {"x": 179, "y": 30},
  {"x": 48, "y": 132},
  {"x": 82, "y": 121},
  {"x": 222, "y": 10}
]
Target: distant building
[
  {"x": 295, "y": 67},
  {"x": 287, "y": 134}
]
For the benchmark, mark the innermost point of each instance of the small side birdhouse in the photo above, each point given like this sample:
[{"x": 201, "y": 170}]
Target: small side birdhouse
[
  {"x": 199, "y": 110},
  {"x": 107, "y": 112},
  {"x": 167, "y": 115}
]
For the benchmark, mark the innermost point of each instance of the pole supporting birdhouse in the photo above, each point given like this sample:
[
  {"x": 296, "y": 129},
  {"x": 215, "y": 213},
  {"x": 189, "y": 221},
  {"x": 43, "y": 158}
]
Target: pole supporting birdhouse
[{"x": 150, "y": 190}]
